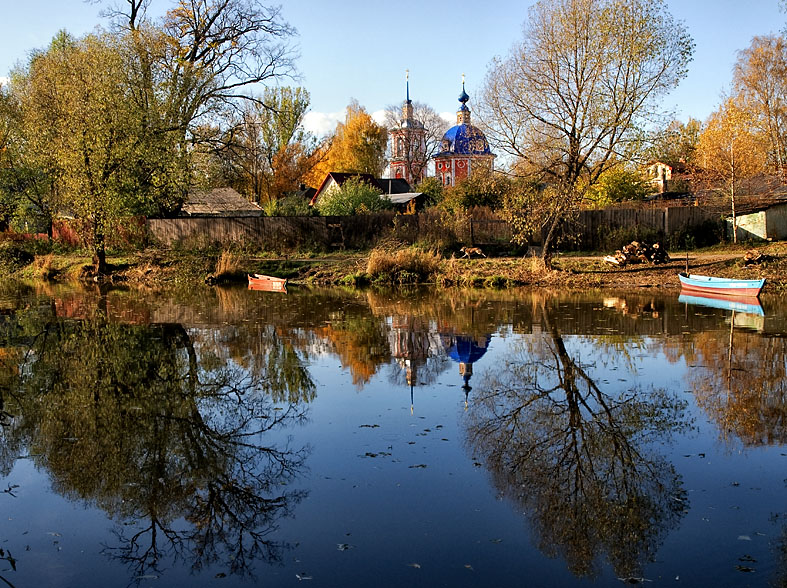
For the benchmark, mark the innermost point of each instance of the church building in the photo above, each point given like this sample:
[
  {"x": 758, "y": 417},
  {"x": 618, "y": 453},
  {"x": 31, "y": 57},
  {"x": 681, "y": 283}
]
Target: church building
[
  {"x": 408, "y": 145},
  {"x": 463, "y": 149}
]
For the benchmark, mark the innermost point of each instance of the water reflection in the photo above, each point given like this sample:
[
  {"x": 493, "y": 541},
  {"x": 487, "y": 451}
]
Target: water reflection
[
  {"x": 127, "y": 418},
  {"x": 172, "y": 413},
  {"x": 577, "y": 459}
]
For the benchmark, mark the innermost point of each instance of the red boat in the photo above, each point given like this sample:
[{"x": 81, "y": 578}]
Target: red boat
[{"x": 267, "y": 283}]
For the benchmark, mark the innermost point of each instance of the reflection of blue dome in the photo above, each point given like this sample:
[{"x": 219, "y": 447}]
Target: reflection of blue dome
[
  {"x": 464, "y": 349},
  {"x": 465, "y": 139}
]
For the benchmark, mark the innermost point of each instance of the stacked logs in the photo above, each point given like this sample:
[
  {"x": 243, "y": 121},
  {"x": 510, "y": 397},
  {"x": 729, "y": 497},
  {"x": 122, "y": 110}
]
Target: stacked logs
[
  {"x": 636, "y": 252},
  {"x": 754, "y": 257}
]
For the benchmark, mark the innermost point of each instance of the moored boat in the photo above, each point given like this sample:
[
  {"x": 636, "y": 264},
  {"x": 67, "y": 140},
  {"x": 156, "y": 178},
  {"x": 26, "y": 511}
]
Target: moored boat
[
  {"x": 726, "y": 286},
  {"x": 267, "y": 283}
]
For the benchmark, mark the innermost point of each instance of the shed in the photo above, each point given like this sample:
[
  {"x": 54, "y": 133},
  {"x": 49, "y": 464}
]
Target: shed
[
  {"x": 218, "y": 202},
  {"x": 764, "y": 222}
]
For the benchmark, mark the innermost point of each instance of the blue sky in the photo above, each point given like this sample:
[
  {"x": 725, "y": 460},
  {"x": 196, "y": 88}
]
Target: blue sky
[{"x": 361, "y": 48}]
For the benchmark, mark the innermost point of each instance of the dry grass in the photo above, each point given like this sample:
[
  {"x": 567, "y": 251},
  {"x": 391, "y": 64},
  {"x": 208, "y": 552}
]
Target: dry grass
[
  {"x": 228, "y": 267},
  {"x": 405, "y": 266}
]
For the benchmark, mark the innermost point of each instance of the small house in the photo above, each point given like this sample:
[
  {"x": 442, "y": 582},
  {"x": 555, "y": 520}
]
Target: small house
[
  {"x": 218, "y": 202},
  {"x": 397, "y": 190}
]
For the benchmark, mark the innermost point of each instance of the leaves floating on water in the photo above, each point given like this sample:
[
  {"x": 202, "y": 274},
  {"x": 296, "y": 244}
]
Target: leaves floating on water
[
  {"x": 369, "y": 427},
  {"x": 419, "y": 466},
  {"x": 303, "y": 576},
  {"x": 744, "y": 538},
  {"x": 469, "y": 567},
  {"x": 381, "y": 454},
  {"x": 634, "y": 580},
  {"x": 495, "y": 540},
  {"x": 747, "y": 559},
  {"x": 414, "y": 565},
  {"x": 744, "y": 569},
  {"x": 344, "y": 546}
]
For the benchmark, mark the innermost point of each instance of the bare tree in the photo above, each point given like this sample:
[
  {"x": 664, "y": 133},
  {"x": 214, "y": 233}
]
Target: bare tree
[{"x": 567, "y": 98}]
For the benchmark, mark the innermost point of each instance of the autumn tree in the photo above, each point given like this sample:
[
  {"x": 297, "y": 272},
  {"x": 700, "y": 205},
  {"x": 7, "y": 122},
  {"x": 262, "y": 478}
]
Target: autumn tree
[
  {"x": 760, "y": 83},
  {"x": 569, "y": 96},
  {"x": 266, "y": 151},
  {"x": 76, "y": 107},
  {"x": 199, "y": 59},
  {"x": 731, "y": 150},
  {"x": 357, "y": 146}
]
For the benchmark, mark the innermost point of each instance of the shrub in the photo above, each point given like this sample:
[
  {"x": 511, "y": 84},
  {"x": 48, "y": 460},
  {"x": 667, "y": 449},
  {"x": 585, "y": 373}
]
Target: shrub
[{"x": 406, "y": 266}]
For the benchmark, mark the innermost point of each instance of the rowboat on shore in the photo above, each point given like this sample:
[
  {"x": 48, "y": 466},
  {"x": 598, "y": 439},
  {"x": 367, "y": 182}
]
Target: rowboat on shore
[
  {"x": 267, "y": 283},
  {"x": 703, "y": 285}
]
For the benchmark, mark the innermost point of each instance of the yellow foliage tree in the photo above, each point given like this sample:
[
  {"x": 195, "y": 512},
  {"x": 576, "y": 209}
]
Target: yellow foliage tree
[
  {"x": 357, "y": 146},
  {"x": 731, "y": 150}
]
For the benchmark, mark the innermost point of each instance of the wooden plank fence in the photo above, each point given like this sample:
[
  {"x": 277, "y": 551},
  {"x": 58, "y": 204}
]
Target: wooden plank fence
[{"x": 592, "y": 228}]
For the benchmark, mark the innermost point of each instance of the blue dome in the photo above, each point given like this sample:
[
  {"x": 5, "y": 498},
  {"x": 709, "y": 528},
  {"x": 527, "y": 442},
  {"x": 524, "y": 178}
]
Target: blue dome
[
  {"x": 464, "y": 139},
  {"x": 465, "y": 349}
]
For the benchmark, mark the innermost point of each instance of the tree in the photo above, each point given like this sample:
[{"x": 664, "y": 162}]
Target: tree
[
  {"x": 417, "y": 153},
  {"x": 354, "y": 197},
  {"x": 677, "y": 143},
  {"x": 760, "y": 82},
  {"x": 357, "y": 146},
  {"x": 79, "y": 119},
  {"x": 201, "y": 58},
  {"x": 618, "y": 185},
  {"x": 730, "y": 151},
  {"x": 571, "y": 94},
  {"x": 266, "y": 151}
]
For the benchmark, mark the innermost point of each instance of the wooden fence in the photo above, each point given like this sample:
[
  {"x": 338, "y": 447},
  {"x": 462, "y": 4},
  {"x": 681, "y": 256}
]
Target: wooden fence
[{"x": 592, "y": 229}]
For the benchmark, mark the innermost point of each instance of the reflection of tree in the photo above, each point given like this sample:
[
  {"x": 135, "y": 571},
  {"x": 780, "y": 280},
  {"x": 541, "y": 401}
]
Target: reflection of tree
[
  {"x": 576, "y": 457},
  {"x": 127, "y": 418},
  {"x": 740, "y": 381}
]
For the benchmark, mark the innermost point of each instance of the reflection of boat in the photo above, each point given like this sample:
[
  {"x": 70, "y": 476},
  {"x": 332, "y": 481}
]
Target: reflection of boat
[
  {"x": 267, "y": 283},
  {"x": 727, "y": 286},
  {"x": 747, "y": 304}
]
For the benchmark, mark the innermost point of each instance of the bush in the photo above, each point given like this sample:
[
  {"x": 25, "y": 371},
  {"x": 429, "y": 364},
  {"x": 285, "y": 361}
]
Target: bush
[
  {"x": 13, "y": 258},
  {"x": 406, "y": 266}
]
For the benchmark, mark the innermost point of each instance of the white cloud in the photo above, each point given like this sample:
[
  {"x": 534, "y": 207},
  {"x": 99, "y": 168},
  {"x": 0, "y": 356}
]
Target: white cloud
[
  {"x": 322, "y": 123},
  {"x": 379, "y": 117},
  {"x": 4, "y": 80},
  {"x": 449, "y": 117}
]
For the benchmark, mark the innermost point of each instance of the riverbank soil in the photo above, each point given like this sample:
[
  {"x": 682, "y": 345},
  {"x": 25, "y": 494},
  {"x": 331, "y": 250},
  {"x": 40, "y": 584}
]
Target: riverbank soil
[{"x": 155, "y": 267}]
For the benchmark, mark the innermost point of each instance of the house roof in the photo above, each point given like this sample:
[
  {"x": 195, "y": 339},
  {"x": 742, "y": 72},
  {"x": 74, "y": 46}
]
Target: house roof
[{"x": 218, "y": 202}]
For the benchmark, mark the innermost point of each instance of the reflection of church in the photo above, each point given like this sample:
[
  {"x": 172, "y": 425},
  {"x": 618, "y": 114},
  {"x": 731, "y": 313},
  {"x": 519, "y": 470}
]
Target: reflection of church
[
  {"x": 418, "y": 346},
  {"x": 466, "y": 350},
  {"x": 463, "y": 148}
]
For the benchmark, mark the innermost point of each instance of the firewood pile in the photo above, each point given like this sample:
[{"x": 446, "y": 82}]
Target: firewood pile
[
  {"x": 754, "y": 257},
  {"x": 636, "y": 252}
]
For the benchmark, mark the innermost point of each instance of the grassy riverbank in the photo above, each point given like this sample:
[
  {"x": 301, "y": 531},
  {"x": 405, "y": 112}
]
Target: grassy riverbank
[{"x": 155, "y": 267}]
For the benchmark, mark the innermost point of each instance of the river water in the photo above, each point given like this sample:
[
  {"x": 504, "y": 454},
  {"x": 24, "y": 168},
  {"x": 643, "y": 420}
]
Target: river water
[{"x": 228, "y": 437}]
